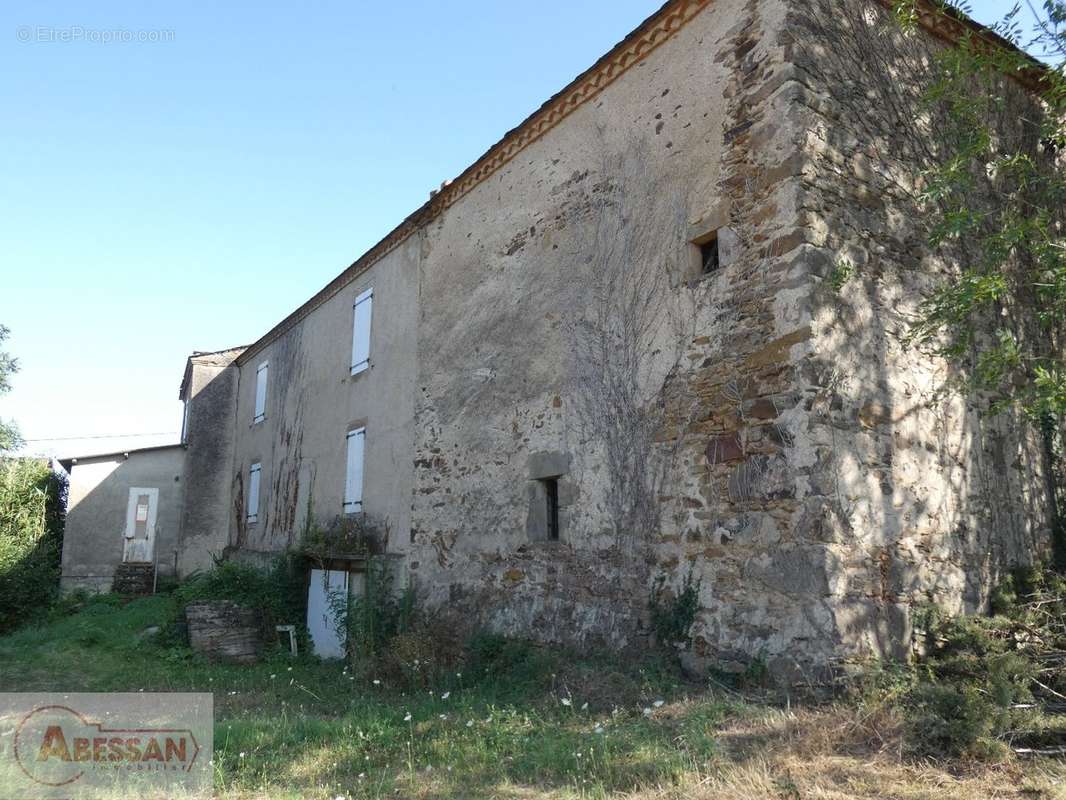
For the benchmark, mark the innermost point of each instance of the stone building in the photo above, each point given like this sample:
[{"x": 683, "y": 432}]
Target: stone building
[{"x": 608, "y": 355}]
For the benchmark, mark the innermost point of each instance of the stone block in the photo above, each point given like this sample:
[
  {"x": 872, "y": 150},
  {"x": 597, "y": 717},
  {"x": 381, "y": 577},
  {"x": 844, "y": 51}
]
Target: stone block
[
  {"x": 725, "y": 448},
  {"x": 547, "y": 464}
]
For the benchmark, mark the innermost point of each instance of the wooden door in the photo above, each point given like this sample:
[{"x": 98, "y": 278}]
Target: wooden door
[
  {"x": 139, "y": 536},
  {"x": 326, "y": 591}
]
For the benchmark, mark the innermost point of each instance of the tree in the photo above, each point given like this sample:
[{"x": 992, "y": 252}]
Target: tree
[
  {"x": 9, "y": 436},
  {"x": 996, "y": 195}
]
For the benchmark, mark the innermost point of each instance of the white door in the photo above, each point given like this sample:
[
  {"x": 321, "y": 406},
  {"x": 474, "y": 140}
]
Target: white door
[
  {"x": 328, "y": 589},
  {"x": 141, "y": 511}
]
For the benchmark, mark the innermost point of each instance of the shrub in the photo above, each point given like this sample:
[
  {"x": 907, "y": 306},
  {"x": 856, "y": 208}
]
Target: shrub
[
  {"x": 979, "y": 679},
  {"x": 32, "y": 503},
  {"x": 371, "y": 620},
  {"x": 491, "y": 658},
  {"x": 673, "y": 614},
  {"x": 277, "y": 592}
]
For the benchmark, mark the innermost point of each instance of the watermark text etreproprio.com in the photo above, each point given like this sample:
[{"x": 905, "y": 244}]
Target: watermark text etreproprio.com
[{"x": 48, "y": 34}]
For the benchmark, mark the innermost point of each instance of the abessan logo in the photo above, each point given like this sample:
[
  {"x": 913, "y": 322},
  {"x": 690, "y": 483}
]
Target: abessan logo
[
  {"x": 126, "y": 743},
  {"x": 55, "y": 745}
]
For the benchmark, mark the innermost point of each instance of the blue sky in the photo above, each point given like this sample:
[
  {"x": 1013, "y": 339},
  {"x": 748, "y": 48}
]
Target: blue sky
[{"x": 186, "y": 193}]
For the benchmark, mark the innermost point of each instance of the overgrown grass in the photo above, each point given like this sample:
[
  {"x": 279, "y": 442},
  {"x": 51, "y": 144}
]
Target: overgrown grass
[
  {"x": 511, "y": 723},
  {"x": 311, "y": 727}
]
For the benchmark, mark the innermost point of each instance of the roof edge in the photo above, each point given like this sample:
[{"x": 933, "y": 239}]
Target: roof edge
[
  {"x": 945, "y": 23},
  {"x": 129, "y": 451},
  {"x": 202, "y": 354},
  {"x": 950, "y": 25},
  {"x": 641, "y": 41}
]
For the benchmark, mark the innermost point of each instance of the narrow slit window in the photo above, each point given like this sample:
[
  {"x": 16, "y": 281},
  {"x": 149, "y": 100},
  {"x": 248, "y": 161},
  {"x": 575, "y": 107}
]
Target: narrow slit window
[
  {"x": 253, "y": 492},
  {"x": 260, "y": 392},
  {"x": 361, "y": 331},
  {"x": 353, "y": 487},
  {"x": 551, "y": 495},
  {"x": 709, "y": 260},
  {"x": 185, "y": 422}
]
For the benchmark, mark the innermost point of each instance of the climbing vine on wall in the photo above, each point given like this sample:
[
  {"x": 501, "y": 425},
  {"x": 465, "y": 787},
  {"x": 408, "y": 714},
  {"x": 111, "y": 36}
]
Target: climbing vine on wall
[{"x": 628, "y": 327}]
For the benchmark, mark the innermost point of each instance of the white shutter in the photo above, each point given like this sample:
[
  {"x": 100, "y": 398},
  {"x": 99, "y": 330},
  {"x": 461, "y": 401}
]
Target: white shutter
[
  {"x": 260, "y": 392},
  {"x": 353, "y": 488},
  {"x": 253, "y": 492},
  {"x": 361, "y": 331}
]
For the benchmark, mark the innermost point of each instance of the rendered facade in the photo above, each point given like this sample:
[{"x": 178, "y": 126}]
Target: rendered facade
[{"x": 608, "y": 354}]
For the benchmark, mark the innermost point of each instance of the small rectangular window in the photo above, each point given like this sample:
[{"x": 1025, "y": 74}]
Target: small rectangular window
[
  {"x": 551, "y": 493},
  {"x": 709, "y": 260},
  {"x": 353, "y": 487},
  {"x": 260, "y": 392},
  {"x": 361, "y": 331},
  {"x": 253, "y": 492}
]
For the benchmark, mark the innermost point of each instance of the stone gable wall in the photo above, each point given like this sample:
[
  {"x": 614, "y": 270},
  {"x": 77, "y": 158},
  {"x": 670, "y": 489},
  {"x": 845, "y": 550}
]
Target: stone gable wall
[{"x": 809, "y": 471}]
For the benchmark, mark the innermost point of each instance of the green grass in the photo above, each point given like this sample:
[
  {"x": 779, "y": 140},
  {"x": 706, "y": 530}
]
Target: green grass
[
  {"x": 308, "y": 728},
  {"x": 302, "y": 728}
]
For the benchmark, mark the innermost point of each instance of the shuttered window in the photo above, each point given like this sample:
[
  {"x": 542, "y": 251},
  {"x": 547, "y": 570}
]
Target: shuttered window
[
  {"x": 253, "y": 492},
  {"x": 361, "y": 331},
  {"x": 353, "y": 488},
  {"x": 260, "y": 392}
]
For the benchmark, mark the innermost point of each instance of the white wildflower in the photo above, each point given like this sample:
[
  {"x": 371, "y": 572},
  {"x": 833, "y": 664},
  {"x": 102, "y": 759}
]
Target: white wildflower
[
  {"x": 565, "y": 701},
  {"x": 377, "y": 682},
  {"x": 445, "y": 696},
  {"x": 408, "y": 717},
  {"x": 585, "y": 706},
  {"x": 470, "y": 723}
]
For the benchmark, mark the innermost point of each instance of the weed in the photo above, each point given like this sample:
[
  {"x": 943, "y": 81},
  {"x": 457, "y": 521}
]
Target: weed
[{"x": 674, "y": 613}]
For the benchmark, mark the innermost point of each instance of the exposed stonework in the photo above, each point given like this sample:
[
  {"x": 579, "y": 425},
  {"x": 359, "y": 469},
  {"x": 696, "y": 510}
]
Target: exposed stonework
[{"x": 548, "y": 356}]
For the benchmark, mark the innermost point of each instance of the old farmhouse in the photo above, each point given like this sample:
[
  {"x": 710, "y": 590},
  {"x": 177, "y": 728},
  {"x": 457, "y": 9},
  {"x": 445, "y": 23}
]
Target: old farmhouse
[{"x": 611, "y": 352}]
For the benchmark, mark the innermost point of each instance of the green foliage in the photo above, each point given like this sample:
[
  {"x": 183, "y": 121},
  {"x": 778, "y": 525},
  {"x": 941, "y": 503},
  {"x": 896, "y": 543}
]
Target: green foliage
[
  {"x": 947, "y": 720},
  {"x": 345, "y": 535},
  {"x": 982, "y": 679},
  {"x": 301, "y": 728},
  {"x": 278, "y": 592},
  {"x": 842, "y": 272},
  {"x": 491, "y": 658},
  {"x": 995, "y": 205},
  {"x": 373, "y": 619},
  {"x": 9, "y": 436},
  {"x": 32, "y": 499},
  {"x": 673, "y": 614},
  {"x": 996, "y": 197}
]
